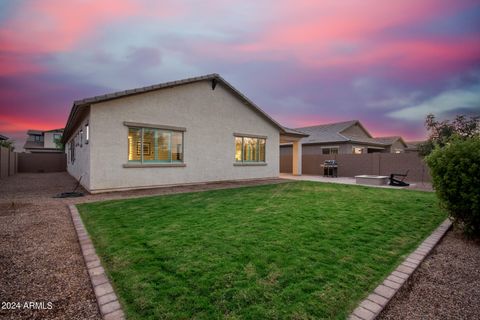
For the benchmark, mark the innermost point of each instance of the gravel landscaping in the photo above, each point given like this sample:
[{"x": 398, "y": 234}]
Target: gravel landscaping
[
  {"x": 445, "y": 286},
  {"x": 40, "y": 258}
]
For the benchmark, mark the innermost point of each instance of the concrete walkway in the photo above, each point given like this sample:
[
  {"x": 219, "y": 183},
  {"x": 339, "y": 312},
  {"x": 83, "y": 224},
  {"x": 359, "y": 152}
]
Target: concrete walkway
[{"x": 349, "y": 180}]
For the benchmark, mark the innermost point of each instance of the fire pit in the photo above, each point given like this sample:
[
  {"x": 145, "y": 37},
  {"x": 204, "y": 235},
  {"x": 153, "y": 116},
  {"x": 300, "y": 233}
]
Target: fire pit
[{"x": 371, "y": 180}]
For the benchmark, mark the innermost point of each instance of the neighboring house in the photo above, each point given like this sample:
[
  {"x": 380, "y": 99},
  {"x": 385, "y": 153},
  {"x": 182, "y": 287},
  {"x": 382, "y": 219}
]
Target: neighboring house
[
  {"x": 3, "y": 138},
  {"x": 189, "y": 131},
  {"x": 413, "y": 146},
  {"x": 349, "y": 137},
  {"x": 39, "y": 141}
]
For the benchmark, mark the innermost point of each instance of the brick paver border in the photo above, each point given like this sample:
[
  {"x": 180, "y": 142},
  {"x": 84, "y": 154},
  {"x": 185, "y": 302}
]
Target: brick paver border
[
  {"x": 107, "y": 300},
  {"x": 371, "y": 307}
]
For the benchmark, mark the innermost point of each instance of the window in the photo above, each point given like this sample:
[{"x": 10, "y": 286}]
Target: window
[
  {"x": 153, "y": 145},
  {"x": 87, "y": 133},
  {"x": 329, "y": 150},
  {"x": 72, "y": 151},
  {"x": 81, "y": 138},
  {"x": 249, "y": 149},
  {"x": 38, "y": 138},
  {"x": 57, "y": 136},
  {"x": 357, "y": 150}
]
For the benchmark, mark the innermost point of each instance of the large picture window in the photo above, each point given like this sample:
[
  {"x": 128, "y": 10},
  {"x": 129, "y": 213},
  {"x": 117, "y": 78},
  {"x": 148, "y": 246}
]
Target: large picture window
[
  {"x": 249, "y": 149},
  {"x": 152, "y": 145}
]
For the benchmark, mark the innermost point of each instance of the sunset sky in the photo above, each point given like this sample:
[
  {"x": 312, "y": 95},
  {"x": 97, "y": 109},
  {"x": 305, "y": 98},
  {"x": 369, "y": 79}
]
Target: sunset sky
[{"x": 305, "y": 62}]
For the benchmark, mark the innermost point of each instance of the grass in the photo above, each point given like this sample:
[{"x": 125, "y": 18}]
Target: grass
[{"x": 299, "y": 250}]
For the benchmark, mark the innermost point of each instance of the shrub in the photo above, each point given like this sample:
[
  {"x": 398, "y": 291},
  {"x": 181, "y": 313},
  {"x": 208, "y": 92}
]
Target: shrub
[{"x": 455, "y": 170}]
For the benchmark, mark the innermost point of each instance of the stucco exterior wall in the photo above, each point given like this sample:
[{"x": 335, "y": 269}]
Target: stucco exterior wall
[
  {"x": 81, "y": 166},
  {"x": 211, "y": 117},
  {"x": 48, "y": 140}
]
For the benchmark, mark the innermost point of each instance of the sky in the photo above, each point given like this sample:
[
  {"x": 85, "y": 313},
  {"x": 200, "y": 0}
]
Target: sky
[{"x": 304, "y": 62}]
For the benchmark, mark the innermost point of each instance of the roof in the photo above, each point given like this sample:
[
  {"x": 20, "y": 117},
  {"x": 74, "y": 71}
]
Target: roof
[
  {"x": 55, "y": 130},
  {"x": 391, "y": 140},
  {"x": 326, "y": 132},
  {"x": 2, "y": 137},
  {"x": 413, "y": 145},
  {"x": 35, "y": 132},
  {"x": 334, "y": 133},
  {"x": 214, "y": 77}
]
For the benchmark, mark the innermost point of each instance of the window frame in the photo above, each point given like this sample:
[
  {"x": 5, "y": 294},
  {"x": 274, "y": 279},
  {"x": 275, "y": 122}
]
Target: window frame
[
  {"x": 156, "y": 129},
  {"x": 358, "y": 147},
  {"x": 87, "y": 133},
  {"x": 72, "y": 151},
  {"x": 330, "y": 150},
  {"x": 243, "y": 162}
]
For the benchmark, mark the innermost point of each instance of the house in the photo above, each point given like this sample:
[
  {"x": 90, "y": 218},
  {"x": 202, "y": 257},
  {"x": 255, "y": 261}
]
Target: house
[
  {"x": 413, "y": 146},
  {"x": 349, "y": 137},
  {"x": 39, "y": 141},
  {"x": 3, "y": 138},
  {"x": 194, "y": 130}
]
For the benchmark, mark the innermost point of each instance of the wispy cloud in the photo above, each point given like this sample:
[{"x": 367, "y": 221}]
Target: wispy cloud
[{"x": 441, "y": 104}]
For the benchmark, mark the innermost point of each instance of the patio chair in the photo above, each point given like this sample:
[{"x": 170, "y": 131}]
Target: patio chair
[{"x": 398, "y": 182}]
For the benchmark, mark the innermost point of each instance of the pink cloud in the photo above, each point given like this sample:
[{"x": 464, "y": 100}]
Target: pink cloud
[
  {"x": 52, "y": 26},
  {"x": 11, "y": 64},
  {"x": 311, "y": 33}
]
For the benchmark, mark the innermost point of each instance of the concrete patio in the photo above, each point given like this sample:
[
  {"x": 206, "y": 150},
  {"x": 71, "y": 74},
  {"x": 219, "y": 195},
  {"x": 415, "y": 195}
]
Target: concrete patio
[{"x": 425, "y": 186}]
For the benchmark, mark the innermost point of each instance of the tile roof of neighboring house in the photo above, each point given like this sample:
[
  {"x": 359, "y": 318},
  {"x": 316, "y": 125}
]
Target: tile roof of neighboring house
[
  {"x": 391, "y": 140},
  {"x": 326, "y": 132},
  {"x": 413, "y": 145},
  {"x": 214, "y": 77},
  {"x": 2, "y": 137},
  {"x": 333, "y": 133}
]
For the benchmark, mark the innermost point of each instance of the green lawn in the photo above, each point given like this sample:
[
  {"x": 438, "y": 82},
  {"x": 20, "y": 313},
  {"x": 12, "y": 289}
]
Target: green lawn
[{"x": 299, "y": 250}]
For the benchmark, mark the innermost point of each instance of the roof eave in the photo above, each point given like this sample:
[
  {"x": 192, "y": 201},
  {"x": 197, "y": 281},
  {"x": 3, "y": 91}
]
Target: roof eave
[{"x": 79, "y": 104}]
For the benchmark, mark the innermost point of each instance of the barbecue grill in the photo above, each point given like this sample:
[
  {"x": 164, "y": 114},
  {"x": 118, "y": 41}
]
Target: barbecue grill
[{"x": 330, "y": 168}]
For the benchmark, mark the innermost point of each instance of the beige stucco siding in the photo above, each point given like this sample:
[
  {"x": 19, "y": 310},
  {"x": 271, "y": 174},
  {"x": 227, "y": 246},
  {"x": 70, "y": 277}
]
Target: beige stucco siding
[
  {"x": 81, "y": 166},
  {"x": 48, "y": 141},
  {"x": 210, "y": 117}
]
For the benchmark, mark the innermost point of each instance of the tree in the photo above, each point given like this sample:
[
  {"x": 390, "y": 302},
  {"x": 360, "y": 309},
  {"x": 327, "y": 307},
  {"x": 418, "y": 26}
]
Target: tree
[
  {"x": 59, "y": 144},
  {"x": 442, "y": 132},
  {"x": 7, "y": 144}
]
